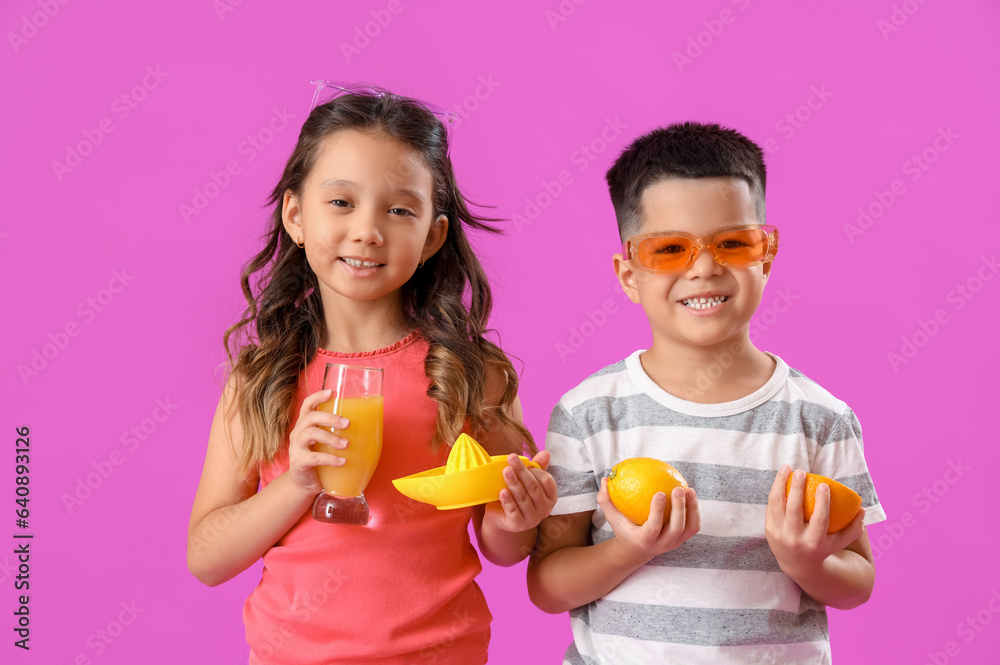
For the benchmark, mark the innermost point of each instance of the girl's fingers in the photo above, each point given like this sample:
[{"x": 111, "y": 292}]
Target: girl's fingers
[
  {"x": 325, "y": 459},
  {"x": 314, "y": 400},
  {"x": 692, "y": 517}
]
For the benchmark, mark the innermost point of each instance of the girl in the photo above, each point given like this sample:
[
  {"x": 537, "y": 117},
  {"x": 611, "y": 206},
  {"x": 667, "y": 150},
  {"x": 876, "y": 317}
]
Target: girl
[{"x": 366, "y": 263}]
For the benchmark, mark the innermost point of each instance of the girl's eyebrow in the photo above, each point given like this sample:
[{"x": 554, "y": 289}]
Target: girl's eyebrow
[{"x": 338, "y": 182}]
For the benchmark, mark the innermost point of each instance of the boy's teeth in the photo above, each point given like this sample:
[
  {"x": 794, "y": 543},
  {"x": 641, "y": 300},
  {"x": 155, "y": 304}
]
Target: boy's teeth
[
  {"x": 360, "y": 264},
  {"x": 704, "y": 303}
]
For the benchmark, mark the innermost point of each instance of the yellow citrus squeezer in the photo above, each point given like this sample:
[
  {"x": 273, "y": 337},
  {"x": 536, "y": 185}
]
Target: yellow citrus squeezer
[{"x": 470, "y": 477}]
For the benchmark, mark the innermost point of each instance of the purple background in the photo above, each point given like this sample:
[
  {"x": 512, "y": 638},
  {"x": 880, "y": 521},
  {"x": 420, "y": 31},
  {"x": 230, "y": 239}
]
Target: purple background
[{"x": 842, "y": 297}]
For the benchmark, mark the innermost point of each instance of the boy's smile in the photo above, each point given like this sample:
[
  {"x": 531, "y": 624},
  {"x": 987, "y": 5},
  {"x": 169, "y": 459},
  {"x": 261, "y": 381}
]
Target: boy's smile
[{"x": 705, "y": 304}]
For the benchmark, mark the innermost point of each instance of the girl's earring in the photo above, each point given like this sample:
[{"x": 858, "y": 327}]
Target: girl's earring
[
  {"x": 301, "y": 243},
  {"x": 421, "y": 264}
]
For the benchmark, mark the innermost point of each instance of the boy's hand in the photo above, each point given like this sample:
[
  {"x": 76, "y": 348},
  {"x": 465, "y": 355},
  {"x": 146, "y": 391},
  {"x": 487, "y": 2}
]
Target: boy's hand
[
  {"x": 529, "y": 497},
  {"x": 798, "y": 546},
  {"x": 642, "y": 543}
]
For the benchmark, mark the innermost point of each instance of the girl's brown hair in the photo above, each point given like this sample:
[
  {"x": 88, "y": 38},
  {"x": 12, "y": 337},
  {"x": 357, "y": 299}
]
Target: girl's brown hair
[{"x": 448, "y": 299}]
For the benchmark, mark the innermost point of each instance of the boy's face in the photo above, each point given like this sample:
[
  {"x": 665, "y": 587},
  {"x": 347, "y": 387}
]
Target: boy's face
[{"x": 699, "y": 206}]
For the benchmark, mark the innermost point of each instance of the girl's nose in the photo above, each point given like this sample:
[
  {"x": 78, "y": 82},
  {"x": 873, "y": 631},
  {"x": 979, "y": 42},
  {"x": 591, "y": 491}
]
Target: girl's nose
[{"x": 365, "y": 227}]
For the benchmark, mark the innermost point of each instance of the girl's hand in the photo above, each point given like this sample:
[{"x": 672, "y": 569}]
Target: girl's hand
[
  {"x": 641, "y": 542},
  {"x": 302, "y": 460},
  {"x": 801, "y": 547},
  {"x": 529, "y": 497}
]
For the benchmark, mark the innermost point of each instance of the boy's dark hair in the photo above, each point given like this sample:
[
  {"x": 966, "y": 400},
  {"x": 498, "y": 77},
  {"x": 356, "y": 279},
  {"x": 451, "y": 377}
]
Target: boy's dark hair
[{"x": 682, "y": 150}]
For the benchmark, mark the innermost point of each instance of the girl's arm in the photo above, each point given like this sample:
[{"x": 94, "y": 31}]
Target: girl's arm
[
  {"x": 506, "y": 529},
  {"x": 232, "y": 524}
]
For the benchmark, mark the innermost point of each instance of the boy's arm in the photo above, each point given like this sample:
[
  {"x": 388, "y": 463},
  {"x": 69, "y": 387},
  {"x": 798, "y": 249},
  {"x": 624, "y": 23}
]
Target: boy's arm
[
  {"x": 836, "y": 569},
  {"x": 566, "y": 571}
]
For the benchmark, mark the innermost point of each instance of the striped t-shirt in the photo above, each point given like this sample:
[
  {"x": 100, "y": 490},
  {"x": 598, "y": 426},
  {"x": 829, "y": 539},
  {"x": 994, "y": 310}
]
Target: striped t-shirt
[{"x": 719, "y": 597}]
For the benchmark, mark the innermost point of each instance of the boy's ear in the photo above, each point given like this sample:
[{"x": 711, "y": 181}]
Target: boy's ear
[
  {"x": 626, "y": 277},
  {"x": 767, "y": 269},
  {"x": 436, "y": 236},
  {"x": 291, "y": 215}
]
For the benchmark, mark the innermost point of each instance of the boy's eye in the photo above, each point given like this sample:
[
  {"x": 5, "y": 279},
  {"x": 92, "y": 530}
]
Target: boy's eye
[
  {"x": 731, "y": 244},
  {"x": 340, "y": 203},
  {"x": 670, "y": 249}
]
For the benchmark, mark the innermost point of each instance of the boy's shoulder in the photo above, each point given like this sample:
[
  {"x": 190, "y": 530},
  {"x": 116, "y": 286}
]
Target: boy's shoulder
[
  {"x": 801, "y": 388},
  {"x": 606, "y": 382}
]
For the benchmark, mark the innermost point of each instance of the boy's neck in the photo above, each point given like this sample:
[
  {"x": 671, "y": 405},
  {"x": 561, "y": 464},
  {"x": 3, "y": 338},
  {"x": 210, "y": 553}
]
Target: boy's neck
[{"x": 708, "y": 375}]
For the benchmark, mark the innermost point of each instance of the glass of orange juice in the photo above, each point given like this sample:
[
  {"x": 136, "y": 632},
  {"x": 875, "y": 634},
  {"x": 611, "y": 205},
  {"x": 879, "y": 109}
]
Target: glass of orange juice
[{"x": 357, "y": 396}]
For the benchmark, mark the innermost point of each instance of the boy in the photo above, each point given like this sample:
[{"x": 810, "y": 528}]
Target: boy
[{"x": 734, "y": 574}]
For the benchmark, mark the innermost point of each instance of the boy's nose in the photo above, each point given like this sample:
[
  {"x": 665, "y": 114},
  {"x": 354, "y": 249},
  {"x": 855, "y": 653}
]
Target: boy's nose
[{"x": 704, "y": 264}]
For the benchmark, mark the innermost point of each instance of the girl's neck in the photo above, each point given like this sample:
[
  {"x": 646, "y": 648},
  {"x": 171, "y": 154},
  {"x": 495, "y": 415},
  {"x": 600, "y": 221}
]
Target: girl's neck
[{"x": 356, "y": 326}]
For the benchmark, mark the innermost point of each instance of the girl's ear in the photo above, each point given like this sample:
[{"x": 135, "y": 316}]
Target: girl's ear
[
  {"x": 291, "y": 215},
  {"x": 435, "y": 237}
]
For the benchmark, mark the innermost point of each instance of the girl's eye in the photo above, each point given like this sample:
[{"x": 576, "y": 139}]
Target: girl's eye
[
  {"x": 340, "y": 203},
  {"x": 400, "y": 211}
]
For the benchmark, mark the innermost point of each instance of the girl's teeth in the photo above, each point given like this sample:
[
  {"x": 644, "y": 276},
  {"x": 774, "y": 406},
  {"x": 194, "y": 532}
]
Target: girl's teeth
[
  {"x": 704, "y": 303},
  {"x": 360, "y": 264}
]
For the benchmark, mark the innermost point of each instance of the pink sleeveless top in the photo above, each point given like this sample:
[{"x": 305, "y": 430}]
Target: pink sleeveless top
[{"x": 400, "y": 589}]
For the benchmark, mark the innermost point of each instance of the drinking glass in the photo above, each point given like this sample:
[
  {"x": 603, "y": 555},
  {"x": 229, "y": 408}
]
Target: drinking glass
[{"x": 357, "y": 396}]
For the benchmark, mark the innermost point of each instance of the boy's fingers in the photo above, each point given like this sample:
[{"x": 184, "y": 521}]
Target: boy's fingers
[
  {"x": 776, "y": 497},
  {"x": 793, "y": 507},
  {"x": 821, "y": 509},
  {"x": 693, "y": 517},
  {"x": 851, "y": 532},
  {"x": 657, "y": 508},
  {"x": 678, "y": 510}
]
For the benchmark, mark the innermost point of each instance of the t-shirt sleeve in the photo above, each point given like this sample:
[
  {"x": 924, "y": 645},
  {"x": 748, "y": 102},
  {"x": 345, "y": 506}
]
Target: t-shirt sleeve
[
  {"x": 570, "y": 464},
  {"x": 842, "y": 458}
]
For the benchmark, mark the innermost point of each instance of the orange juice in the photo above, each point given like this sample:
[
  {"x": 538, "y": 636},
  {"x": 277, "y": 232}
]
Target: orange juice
[{"x": 364, "y": 436}]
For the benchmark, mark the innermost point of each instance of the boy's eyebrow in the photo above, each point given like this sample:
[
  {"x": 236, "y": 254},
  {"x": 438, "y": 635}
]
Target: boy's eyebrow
[{"x": 339, "y": 182}]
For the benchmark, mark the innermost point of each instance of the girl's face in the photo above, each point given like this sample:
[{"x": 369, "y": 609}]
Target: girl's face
[{"x": 366, "y": 216}]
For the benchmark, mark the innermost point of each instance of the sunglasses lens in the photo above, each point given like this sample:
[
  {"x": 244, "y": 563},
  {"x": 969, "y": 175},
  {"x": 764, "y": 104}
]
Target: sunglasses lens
[
  {"x": 664, "y": 253},
  {"x": 741, "y": 247}
]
